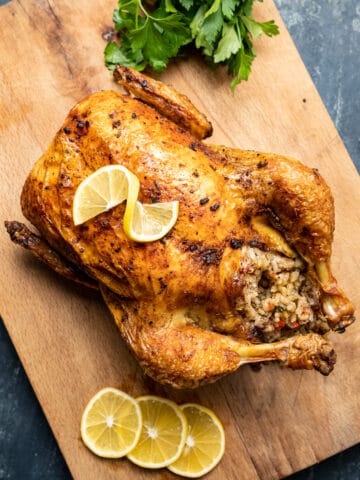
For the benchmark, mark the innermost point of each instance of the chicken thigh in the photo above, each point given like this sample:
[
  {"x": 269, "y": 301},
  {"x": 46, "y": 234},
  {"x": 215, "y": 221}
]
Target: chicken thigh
[{"x": 244, "y": 275}]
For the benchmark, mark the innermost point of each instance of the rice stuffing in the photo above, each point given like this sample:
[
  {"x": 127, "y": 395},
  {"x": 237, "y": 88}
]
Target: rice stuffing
[{"x": 278, "y": 296}]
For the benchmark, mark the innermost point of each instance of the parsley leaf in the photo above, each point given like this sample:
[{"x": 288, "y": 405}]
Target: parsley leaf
[
  {"x": 152, "y": 32},
  {"x": 229, "y": 44},
  {"x": 228, "y": 8},
  {"x": 208, "y": 30}
]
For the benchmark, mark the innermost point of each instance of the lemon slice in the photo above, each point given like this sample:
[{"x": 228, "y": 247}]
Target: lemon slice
[
  {"x": 111, "y": 423},
  {"x": 205, "y": 442},
  {"x": 149, "y": 222},
  {"x": 163, "y": 433},
  {"x": 104, "y": 189}
]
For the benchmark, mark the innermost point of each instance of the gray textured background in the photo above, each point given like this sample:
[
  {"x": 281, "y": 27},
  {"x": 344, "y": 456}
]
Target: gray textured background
[{"x": 327, "y": 35}]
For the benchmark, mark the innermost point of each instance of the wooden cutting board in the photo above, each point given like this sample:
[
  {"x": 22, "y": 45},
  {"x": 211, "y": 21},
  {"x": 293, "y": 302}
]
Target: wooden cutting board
[{"x": 277, "y": 421}]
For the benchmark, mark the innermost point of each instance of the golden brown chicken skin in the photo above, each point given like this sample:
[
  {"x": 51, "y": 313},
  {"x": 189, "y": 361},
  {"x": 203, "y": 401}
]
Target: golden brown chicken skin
[{"x": 243, "y": 276}]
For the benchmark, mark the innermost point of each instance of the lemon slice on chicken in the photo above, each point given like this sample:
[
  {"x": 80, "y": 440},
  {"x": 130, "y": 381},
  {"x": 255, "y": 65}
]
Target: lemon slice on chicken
[
  {"x": 104, "y": 189},
  {"x": 109, "y": 186},
  {"x": 149, "y": 222}
]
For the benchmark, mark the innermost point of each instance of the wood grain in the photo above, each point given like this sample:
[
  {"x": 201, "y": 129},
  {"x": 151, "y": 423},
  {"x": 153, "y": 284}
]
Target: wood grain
[{"x": 276, "y": 421}]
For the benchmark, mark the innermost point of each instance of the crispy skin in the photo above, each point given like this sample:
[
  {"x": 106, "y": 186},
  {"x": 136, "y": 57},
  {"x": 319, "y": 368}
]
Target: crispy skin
[
  {"x": 174, "y": 299},
  {"x": 298, "y": 196}
]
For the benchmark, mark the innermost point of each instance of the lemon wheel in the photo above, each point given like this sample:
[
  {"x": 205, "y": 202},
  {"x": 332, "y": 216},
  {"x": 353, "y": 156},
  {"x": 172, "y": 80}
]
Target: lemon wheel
[
  {"x": 205, "y": 442},
  {"x": 163, "y": 434},
  {"x": 111, "y": 423}
]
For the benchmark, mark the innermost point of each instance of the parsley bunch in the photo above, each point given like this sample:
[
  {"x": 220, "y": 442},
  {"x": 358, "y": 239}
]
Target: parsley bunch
[{"x": 152, "y": 32}]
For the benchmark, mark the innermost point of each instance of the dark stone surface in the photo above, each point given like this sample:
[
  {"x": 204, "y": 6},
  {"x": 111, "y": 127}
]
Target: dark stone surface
[{"x": 327, "y": 35}]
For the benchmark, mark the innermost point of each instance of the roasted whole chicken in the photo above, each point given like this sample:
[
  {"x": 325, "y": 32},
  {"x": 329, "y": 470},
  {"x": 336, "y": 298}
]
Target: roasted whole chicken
[{"x": 244, "y": 275}]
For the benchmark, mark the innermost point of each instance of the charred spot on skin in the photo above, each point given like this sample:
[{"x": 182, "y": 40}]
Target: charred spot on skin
[
  {"x": 116, "y": 124},
  {"x": 82, "y": 128},
  {"x": 81, "y": 250},
  {"x": 163, "y": 285},
  {"x": 236, "y": 243},
  {"x": 153, "y": 193},
  {"x": 257, "y": 244},
  {"x": 102, "y": 224},
  {"x": 203, "y": 201},
  {"x": 117, "y": 249},
  {"x": 66, "y": 180},
  {"x": 144, "y": 84},
  {"x": 245, "y": 179},
  {"x": 211, "y": 256},
  {"x": 262, "y": 164},
  {"x": 215, "y": 207},
  {"x": 67, "y": 130},
  {"x": 124, "y": 317},
  {"x": 133, "y": 115},
  {"x": 67, "y": 222},
  {"x": 195, "y": 173},
  {"x": 190, "y": 246},
  {"x": 193, "y": 146},
  {"x": 305, "y": 232}
]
